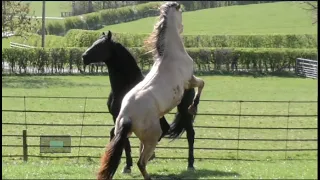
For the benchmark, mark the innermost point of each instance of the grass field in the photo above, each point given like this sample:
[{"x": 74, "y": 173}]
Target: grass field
[
  {"x": 268, "y": 18},
  {"x": 217, "y": 87},
  {"x": 53, "y": 8},
  {"x": 166, "y": 169}
]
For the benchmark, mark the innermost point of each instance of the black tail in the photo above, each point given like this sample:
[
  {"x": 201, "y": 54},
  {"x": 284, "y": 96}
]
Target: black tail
[
  {"x": 183, "y": 118},
  {"x": 111, "y": 158}
]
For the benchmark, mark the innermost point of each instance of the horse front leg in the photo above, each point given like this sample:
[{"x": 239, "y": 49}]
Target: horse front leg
[
  {"x": 199, "y": 83},
  {"x": 190, "y": 136}
]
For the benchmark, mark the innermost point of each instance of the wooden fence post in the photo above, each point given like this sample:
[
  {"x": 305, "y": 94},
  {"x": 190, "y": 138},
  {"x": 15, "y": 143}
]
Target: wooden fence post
[{"x": 25, "y": 146}]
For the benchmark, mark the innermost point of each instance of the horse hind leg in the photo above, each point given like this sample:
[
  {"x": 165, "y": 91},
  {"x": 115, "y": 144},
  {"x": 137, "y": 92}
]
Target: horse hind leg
[
  {"x": 149, "y": 142},
  {"x": 140, "y": 151},
  {"x": 127, "y": 148},
  {"x": 147, "y": 151},
  {"x": 165, "y": 128},
  {"x": 199, "y": 83}
]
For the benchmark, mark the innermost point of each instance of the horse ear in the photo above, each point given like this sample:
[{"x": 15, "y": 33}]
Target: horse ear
[
  {"x": 178, "y": 7},
  {"x": 109, "y": 35},
  {"x": 103, "y": 34}
]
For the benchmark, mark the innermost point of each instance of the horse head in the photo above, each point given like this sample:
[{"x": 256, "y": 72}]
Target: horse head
[{"x": 100, "y": 51}]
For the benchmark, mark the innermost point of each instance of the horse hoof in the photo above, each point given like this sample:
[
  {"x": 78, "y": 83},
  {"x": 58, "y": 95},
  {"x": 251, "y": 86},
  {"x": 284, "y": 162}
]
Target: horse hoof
[
  {"x": 152, "y": 157},
  {"x": 148, "y": 178},
  {"x": 191, "y": 168},
  {"x": 192, "y": 110},
  {"x": 126, "y": 170}
]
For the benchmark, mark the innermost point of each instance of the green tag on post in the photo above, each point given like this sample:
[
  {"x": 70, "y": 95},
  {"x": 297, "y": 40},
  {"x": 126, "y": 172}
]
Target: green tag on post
[{"x": 56, "y": 144}]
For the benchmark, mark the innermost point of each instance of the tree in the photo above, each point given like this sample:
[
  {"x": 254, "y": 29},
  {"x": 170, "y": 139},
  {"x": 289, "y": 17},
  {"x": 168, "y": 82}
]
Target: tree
[
  {"x": 15, "y": 18},
  {"x": 313, "y": 7}
]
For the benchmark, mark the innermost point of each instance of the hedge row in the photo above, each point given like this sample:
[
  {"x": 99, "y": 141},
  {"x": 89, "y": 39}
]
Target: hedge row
[
  {"x": 206, "y": 59},
  {"x": 85, "y": 38},
  {"x": 96, "y": 20},
  {"x": 51, "y": 41}
]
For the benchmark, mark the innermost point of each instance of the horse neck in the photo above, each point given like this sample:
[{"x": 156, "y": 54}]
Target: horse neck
[
  {"x": 123, "y": 73},
  {"x": 173, "y": 41}
]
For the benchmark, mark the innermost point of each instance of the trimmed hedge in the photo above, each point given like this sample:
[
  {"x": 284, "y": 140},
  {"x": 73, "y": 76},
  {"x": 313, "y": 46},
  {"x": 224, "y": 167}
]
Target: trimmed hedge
[
  {"x": 125, "y": 14},
  {"x": 55, "y": 59},
  {"x": 74, "y": 23},
  {"x": 245, "y": 41},
  {"x": 85, "y": 38},
  {"x": 96, "y": 20},
  {"x": 55, "y": 27},
  {"x": 206, "y": 59},
  {"x": 35, "y": 40}
]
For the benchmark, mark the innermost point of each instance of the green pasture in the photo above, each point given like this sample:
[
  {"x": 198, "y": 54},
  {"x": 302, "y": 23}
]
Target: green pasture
[
  {"x": 268, "y": 18},
  {"x": 217, "y": 87},
  {"x": 53, "y": 8}
]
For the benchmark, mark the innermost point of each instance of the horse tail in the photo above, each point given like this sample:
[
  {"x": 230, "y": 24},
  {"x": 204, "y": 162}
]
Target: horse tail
[
  {"x": 179, "y": 124},
  {"x": 183, "y": 118},
  {"x": 112, "y": 156}
]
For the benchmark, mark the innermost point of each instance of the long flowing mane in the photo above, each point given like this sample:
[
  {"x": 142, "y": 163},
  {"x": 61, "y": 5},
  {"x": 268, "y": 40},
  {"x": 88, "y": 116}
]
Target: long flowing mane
[{"x": 155, "y": 42}]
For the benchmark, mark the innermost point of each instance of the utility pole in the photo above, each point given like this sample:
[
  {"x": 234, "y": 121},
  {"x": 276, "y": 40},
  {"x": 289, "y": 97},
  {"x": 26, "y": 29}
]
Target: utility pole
[
  {"x": 73, "y": 8},
  {"x": 90, "y": 8},
  {"x": 43, "y": 22},
  {"x": 3, "y": 14}
]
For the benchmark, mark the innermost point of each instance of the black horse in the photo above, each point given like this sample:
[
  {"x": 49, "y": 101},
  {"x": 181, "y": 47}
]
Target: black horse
[{"x": 124, "y": 74}]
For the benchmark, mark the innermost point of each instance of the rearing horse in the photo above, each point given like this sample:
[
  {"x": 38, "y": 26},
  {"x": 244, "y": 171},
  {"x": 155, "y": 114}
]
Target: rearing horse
[{"x": 159, "y": 92}]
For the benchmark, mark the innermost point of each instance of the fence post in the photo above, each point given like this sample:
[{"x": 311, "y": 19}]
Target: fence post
[
  {"x": 239, "y": 129},
  {"x": 295, "y": 67},
  {"x": 25, "y": 111},
  {"x": 25, "y": 146},
  {"x": 285, "y": 155},
  {"x": 84, "y": 112}
]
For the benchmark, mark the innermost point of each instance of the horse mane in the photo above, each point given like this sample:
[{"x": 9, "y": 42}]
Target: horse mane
[
  {"x": 124, "y": 54},
  {"x": 123, "y": 69},
  {"x": 155, "y": 42}
]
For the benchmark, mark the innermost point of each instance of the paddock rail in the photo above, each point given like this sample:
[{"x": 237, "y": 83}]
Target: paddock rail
[{"x": 240, "y": 115}]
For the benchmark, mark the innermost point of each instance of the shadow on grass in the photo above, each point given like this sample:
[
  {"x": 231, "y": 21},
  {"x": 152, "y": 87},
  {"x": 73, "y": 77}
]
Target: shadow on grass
[
  {"x": 41, "y": 82},
  {"x": 200, "y": 173}
]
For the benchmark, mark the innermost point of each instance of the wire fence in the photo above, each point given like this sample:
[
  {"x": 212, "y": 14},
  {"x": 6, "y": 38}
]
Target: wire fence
[{"x": 238, "y": 139}]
